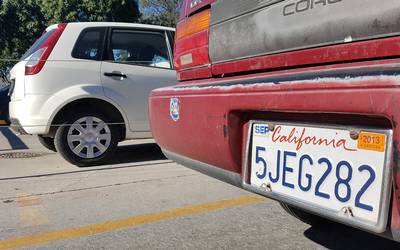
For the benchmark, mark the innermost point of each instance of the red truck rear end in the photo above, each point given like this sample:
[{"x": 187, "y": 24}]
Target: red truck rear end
[{"x": 294, "y": 100}]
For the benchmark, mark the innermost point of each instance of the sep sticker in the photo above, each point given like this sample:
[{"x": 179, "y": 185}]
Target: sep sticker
[
  {"x": 372, "y": 141},
  {"x": 261, "y": 130},
  {"x": 174, "y": 109}
]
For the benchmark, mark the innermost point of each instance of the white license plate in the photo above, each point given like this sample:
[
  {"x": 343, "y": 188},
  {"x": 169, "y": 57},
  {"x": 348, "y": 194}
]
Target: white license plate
[{"x": 328, "y": 168}]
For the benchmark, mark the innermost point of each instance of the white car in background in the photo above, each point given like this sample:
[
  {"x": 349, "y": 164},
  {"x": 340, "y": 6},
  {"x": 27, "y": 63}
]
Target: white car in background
[{"x": 83, "y": 87}]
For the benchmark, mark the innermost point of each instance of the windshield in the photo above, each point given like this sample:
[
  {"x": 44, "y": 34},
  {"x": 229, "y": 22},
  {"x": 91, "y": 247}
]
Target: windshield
[{"x": 37, "y": 44}]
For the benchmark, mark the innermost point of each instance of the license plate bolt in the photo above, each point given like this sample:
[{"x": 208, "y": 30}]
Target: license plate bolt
[
  {"x": 354, "y": 135},
  {"x": 266, "y": 187},
  {"x": 347, "y": 211},
  {"x": 271, "y": 127}
]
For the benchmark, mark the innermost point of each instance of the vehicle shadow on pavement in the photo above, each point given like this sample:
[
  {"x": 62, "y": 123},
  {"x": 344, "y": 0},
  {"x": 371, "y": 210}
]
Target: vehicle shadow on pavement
[
  {"x": 144, "y": 154},
  {"x": 14, "y": 141},
  {"x": 137, "y": 153},
  {"x": 337, "y": 236}
]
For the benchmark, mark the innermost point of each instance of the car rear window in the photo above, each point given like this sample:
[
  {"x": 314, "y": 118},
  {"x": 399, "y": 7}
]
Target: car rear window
[
  {"x": 89, "y": 45},
  {"x": 37, "y": 44}
]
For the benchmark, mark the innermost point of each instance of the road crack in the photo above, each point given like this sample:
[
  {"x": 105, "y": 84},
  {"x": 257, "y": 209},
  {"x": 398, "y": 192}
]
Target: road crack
[{"x": 98, "y": 187}]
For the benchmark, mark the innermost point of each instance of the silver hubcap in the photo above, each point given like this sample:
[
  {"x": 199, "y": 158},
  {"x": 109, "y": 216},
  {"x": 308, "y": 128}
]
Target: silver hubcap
[{"x": 89, "y": 137}]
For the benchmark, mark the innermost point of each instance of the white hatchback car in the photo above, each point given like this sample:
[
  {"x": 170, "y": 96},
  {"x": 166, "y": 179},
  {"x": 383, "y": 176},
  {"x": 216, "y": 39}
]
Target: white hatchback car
[{"x": 83, "y": 87}]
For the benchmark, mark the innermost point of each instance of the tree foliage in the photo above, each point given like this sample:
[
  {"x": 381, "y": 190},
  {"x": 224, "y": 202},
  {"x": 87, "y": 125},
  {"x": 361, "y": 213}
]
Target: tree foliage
[
  {"x": 160, "y": 12},
  {"x": 90, "y": 10},
  {"x": 22, "y": 22}
]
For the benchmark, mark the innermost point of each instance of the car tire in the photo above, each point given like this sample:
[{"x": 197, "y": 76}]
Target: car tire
[
  {"x": 308, "y": 218},
  {"x": 87, "y": 138},
  {"x": 48, "y": 143}
]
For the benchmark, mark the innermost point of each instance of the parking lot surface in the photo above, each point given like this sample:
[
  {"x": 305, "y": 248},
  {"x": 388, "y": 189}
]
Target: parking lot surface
[{"x": 142, "y": 201}]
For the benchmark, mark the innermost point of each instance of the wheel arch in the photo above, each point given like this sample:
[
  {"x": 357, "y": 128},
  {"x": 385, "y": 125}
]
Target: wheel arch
[{"x": 94, "y": 103}]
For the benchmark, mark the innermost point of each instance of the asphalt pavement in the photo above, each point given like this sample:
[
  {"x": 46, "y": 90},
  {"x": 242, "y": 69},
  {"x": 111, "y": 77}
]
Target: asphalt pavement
[{"x": 143, "y": 201}]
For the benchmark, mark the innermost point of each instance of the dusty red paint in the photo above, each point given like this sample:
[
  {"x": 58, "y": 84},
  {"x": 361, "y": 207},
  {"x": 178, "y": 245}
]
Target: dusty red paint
[
  {"x": 198, "y": 73},
  {"x": 213, "y": 120},
  {"x": 388, "y": 63},
  {"x": 381, "y": 48},
  {"x": 356, "y": 51}
]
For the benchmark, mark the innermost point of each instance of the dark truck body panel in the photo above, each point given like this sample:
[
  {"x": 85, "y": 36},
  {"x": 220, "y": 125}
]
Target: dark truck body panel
[{"x": 244, "y": 29}]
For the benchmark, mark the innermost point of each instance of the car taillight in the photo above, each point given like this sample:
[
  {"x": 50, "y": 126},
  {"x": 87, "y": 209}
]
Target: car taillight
[
  {"x": 38, "y": 59},
  {"x": 191, "y": 48},
  {"x": 31, "y": 67},
  {"x": 197, "y": 23}
]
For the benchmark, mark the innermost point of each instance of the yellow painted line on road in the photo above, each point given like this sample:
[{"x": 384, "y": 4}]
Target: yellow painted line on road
[{"x": 128, "y": 222}]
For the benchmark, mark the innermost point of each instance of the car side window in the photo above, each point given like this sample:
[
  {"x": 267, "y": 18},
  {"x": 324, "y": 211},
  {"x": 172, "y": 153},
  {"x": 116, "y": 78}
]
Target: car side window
[
  {"x": 89, "y": 45},
  {"x": 140, "y": 48}
]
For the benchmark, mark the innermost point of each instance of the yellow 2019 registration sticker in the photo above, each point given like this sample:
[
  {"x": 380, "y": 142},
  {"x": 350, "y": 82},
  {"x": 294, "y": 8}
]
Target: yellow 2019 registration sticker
[{"x": 372, "y": 141}]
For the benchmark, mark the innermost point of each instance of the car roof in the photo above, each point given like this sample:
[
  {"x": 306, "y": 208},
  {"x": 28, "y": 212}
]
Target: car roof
[{"x": 114, "y": 24}]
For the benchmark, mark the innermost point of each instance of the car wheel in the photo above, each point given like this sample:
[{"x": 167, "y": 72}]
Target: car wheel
[
  {"x": 304, "y": 216},
  {"x": 87, "y": 139},
  {"x": 48, "y": 143}
]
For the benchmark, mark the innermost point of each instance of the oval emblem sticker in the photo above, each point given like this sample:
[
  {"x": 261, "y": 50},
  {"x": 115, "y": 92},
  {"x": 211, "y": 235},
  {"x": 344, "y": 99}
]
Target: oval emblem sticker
[{"x": 174, "y": 109}]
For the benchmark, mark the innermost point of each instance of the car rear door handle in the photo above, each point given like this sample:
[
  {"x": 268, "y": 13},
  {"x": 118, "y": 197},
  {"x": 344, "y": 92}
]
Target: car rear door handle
[{"x": 116, "y": 74}]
